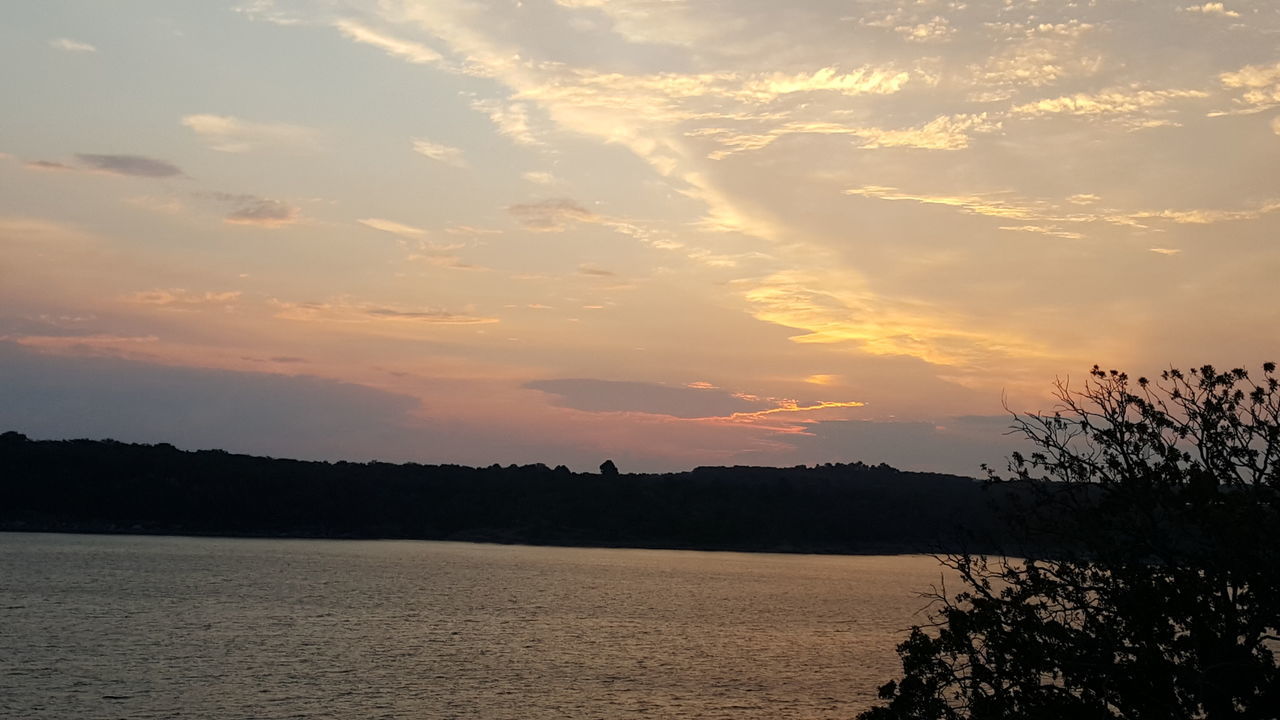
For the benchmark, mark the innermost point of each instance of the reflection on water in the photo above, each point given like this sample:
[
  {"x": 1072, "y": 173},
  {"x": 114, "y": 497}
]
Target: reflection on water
[{"x": 161, "y": 627}]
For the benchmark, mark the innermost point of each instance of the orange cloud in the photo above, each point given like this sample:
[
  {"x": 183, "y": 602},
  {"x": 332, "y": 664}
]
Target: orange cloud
[
  {"x": 345, "y": 312},
  {"x": 179, "y": 298}
]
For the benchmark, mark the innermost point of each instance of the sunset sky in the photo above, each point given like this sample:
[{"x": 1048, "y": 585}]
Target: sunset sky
[{"x": 667, "y": 232}]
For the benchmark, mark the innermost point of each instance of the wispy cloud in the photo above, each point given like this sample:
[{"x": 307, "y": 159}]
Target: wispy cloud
[
  {"x": 936, "y": 29},
  {"x": 128, "y": 165},
  {"x": 539, "y": 177},
  {"x": 442, "y": 258},
  {"x": 51, "y": 166},
  {"x": 791, "y": 406},
  {"x": 423, "y": 251},
  {"x": 1029, "y": 54},
  {"x": 395, "y": 228},
  {"x": 396, "y": 47},
  {"x": 1208, "y": 216},
  {"x": 1048, "y": 230},
  {"x": 510, "y": 118},
  {"x": 862, "y": 81},
  {"x": 995, "y": 205},
  {"x": 266, "y": 11},
  {"x": 552, "y": 215},
  {"x": 824, "y": 379},
  {"x": 134, "y": 165},
  {"x": 227, "y": 133},
  {"x": 1134, "y": 108},
  {"x": 280, "y": 359},
  {"x": 1260, "y": 86},
  {"x": 1047, "y": 217},
  {"x": 344, "y": 311},
  {"x": 72, "y": 46},
  {"x": 592, "y": 395},
  {"x": 471, "y": 231},
  {"x": 441, "y": 153},
  {"x": 1212, "y": 8},
  {"x": 946, "y": 132},
  {"x": 97, "y": 344},
  {"x": 258, "y": 211},
  {"x": 167, "y": 205},
  {"x": 181, "y": 299},
  {"x": 701, "y": 402}
]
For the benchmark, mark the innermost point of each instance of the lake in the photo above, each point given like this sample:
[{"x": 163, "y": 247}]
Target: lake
[{"x": 96, "y": 626}]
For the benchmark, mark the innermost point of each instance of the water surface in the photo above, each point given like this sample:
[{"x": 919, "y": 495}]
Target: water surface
[{"x": 216, "y": 628}]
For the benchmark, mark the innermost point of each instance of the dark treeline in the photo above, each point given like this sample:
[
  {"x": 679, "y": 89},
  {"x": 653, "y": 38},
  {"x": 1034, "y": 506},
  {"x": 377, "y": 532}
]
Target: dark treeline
[{"x": 108, "y": 486}]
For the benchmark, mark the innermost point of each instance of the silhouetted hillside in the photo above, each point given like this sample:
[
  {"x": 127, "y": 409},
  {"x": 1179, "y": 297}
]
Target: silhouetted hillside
[{"x": 107, "y": 486}]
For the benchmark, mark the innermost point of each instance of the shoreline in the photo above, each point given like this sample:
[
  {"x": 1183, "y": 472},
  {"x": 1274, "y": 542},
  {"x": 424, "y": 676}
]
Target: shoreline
[{"x": 886, "y": 550}]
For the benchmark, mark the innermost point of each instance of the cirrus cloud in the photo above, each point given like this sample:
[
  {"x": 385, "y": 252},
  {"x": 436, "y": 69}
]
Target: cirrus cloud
[
  {"x": 551, "y": 215},
  {"x": 594, "y": 395},
  {"x": 228, "y": 133},
  {"x": 390, "y": 226},
  {"x": 441, "y": 153},
  {"x": 181, "y": 299},
  {"x": 263, "y": 212},
  {"x": 345, "y": 311},
  {"x": 131, "y": 165},
  {"x": 72, "y": 46},
  {"x": 407, "y": 50}
]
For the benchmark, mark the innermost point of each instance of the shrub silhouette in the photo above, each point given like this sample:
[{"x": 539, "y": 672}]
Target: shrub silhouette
[{"x": 1148, "y": 584}]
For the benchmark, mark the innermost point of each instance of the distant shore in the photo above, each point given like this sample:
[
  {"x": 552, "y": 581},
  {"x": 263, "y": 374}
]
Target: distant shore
[
  {"x": 107, "y": 487},
  {"x": 142, "y": 532}
]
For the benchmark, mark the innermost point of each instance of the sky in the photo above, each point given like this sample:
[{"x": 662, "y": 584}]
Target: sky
[{"x": 667, "y": 232}]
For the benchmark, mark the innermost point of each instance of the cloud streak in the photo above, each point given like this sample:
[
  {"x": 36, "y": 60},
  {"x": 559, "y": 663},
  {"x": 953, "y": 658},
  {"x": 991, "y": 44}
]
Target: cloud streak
[
  {"x": 406, "y": 50},
  {"x": 511, "y": 120},
  {"x": 227, "y": 133},
  {"x": 1132, "y": 107},
  {"x": 440, "y": 153},
  {"x": 551, "y": 215},
  {"x": 1212, "y": 8},
  {"x": 263, "y": 212},
  {"x": 71, "y": 46},
  {"x": 129, "y": 165},
  {"x": 594, "y": 395},
  {"x": 791, "y": 406},
  {"x": 347, "y": 312},
  {"x": 51, "y": 166},
  {"x": 181, "y": 299},
  {"x": 395, "y": 228}
]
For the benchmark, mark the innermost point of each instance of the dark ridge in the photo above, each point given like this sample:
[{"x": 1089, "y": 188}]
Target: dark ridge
[{"x": 112, "y": 487}]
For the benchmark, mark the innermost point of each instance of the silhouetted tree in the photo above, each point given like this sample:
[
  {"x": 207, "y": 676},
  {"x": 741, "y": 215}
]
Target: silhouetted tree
[
  {"x": 608, "y": 469},
  {"x": 1149, "y": 585}
]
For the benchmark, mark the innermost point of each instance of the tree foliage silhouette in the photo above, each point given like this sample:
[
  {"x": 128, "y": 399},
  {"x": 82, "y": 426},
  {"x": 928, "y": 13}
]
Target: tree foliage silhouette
[
  {"x": 109, "y": 486},
  {"x": 1149, "y": 585}
]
